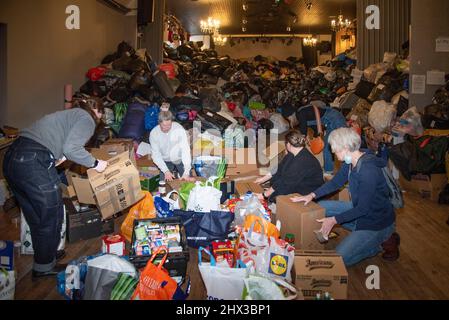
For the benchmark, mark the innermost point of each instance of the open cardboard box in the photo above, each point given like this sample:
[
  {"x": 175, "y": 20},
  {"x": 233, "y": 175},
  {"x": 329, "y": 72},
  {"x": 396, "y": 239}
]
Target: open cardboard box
[
  {"x": 112, "y": 191},
  {"x": 429, "y": 187},
  {"x": 318, "y": 272}
]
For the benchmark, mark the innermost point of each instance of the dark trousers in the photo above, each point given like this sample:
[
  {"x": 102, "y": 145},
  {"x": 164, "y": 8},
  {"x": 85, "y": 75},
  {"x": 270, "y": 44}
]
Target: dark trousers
[
  {"x": 176, "y": 169},
  {"x": 29, "y": 169}
]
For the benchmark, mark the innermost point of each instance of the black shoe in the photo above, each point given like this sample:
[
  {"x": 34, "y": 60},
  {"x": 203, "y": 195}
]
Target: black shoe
[
  {"x": 52, "y": 273},
  {"x": 60, "y": 255}
]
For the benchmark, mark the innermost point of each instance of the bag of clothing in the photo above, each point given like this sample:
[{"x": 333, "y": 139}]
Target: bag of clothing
[
  {"x": 133, "y": 126},
  {"x": 221, "y": 281},
  {"x": 96, "y": 74},
  {"x": 359, "y": 113},
  {"x": 381, "y": 116},
  {"x": 203, "y": 228},
  {"x": 210, "y": 99},
  {"x": 214, "y": 121},
  {"x": 152, "y": 117},
  {"x": 161, "y": 81}
]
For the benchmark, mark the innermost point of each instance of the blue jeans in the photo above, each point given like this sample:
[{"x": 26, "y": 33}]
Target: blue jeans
[
  {"x": 360, "y": 244},
  {"x": 332, "y": 120},
  {"x": 30, "y": 171}
]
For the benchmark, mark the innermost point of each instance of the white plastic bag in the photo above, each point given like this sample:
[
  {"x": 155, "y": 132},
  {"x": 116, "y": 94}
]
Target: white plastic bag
[
  {"x": 280, "y": 123},
  {"x": 204, "y": 198},
  {"x": 170, "y": 199},
  {"x": 221, "y": 281},
  {"x": 249, "y": 206},
  {"x": 381, "y": 116},
  {"x": 7, "y": 285},
  {"x": 25, "y": 236},
  {"x": 260, "y": 288}
]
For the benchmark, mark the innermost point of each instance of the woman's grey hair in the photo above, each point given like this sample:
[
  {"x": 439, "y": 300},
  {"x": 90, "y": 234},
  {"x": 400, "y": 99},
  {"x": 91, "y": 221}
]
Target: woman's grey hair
[
  {"x": 345, "y": 138},
  {"x": 166, "y": 116}
]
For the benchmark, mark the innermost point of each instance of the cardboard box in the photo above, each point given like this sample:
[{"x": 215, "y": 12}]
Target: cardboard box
[
  {"x": 301, "y": 221},
  {"x": 112, "y": 191},
  {"x": 320, "y": 272},
  {"x": 427, "y": 187},
  {"x": 149, "y": 178},
  {"x": 239, "y": 161},
  {"x": 243, "y": 187},
  {"x": 7, "y": 255},
  {"x": 115, "y": 147},
  {"x": 85, "y": 225}
]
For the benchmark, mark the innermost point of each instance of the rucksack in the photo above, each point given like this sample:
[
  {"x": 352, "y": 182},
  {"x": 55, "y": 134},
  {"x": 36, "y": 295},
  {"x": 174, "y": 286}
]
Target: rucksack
[{"x": 394, "y": 190}]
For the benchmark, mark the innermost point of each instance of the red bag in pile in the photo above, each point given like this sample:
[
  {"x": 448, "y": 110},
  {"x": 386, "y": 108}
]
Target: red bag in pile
[
  {"x": 169, "y": 69},
  {"x": 96, "y": 74}
]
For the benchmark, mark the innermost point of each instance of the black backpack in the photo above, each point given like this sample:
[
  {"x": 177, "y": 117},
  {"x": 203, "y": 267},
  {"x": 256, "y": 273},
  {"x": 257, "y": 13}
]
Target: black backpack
[{"x": 395, "y": 192}]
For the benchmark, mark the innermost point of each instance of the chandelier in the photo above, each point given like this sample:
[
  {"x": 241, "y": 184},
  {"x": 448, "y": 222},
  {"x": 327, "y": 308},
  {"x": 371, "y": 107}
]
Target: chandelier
[
  {"x": 210, "y": 26},
  {"x": 310, "y": 41},
  {"x": 340, "y": 24},
  {"x": 220, "y": 40}
]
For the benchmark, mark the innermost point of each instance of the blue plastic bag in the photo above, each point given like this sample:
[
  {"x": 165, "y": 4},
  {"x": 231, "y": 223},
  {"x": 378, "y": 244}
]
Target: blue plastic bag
[
  {"x": 152, "y": 117},
  {"x": 162, "y": 208}
]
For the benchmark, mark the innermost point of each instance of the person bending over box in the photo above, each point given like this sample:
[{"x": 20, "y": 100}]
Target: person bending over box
[
  {"x": 299, "y": 171},
  {"x": 170, "y": 148}
]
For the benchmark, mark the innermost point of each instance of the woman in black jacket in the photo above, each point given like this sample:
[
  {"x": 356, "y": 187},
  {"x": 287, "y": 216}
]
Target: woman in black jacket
[{"x": 299, "y": 172}]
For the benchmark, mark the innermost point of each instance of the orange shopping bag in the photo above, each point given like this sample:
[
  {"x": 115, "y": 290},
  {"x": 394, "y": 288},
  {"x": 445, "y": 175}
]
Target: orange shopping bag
[
  {"x": 155, "y": 283},
  {"x": 260, "y": 223},
  {"x": 143, "y": 210}
]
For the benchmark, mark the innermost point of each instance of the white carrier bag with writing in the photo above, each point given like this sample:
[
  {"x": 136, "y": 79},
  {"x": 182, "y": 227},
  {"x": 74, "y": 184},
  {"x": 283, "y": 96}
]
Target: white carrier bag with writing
[
  {"x": 25, "y": 236},
  {"x": 7, "y": 284},
  {"x": 204, "y": 198},
  {"x": 221, "y": 281}
]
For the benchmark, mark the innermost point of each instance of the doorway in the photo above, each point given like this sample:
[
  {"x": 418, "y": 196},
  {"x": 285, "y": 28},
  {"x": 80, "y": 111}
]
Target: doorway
[{"x": 3, "y": 70}]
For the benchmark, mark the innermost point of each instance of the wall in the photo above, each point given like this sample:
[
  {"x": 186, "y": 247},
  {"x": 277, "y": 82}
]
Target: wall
[
  {"x": 429, "y": 21},
  {"x": 43, "y": 55},
  {"x": 248, "y": 49},
  {"x": 3, "y": 71},
  {"x": 153, "y": 39},
  {"x": 393, "y": 32}
]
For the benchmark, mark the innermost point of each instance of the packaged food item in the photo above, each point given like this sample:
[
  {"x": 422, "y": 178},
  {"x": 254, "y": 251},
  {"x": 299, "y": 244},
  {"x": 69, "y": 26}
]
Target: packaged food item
[{"x": 223, "y": 251}]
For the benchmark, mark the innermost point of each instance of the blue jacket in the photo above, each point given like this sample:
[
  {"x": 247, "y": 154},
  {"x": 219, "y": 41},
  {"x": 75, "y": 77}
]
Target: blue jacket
[{"x": 369, "y": 191}]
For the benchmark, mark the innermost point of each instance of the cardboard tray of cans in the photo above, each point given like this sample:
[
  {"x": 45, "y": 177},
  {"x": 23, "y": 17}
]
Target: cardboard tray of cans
[{"x": 160, "y": 231}]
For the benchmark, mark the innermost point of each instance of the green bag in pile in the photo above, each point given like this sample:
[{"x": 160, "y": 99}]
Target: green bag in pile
[
  {"x": 124, "y": 288},
  {"x": 254, "y": 105},
  {"x": 120, "y": 110}
]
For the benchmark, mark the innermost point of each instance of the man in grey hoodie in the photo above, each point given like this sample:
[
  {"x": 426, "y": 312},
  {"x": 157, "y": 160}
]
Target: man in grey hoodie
[{"x": 30, "y": 170}]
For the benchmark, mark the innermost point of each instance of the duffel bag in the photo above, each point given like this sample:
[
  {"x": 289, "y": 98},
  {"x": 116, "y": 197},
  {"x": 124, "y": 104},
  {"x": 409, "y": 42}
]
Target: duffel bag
[{"x": 133, "y": 126}]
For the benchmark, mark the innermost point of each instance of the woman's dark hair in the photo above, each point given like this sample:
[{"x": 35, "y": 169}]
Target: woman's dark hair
[
  {"x": 89, "y": 105},
  {"x": 296, "y": 139}
]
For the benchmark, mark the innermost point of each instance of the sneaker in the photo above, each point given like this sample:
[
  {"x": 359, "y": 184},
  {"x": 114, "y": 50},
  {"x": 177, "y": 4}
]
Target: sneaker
[{"x": 36, "y": 275}]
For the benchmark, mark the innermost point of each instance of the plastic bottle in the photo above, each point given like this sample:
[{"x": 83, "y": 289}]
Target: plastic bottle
[{"x": 162, "y": 188}]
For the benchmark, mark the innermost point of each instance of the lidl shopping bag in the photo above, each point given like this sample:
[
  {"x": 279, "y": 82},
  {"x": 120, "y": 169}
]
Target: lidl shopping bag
[
  {"x": 155, "y": 283},
  {"x": 145, "y": 209},
  {"x": 7, "y": 284},
  {"x": 221, "y": 281},
  {"x": 276, "y": 260}
]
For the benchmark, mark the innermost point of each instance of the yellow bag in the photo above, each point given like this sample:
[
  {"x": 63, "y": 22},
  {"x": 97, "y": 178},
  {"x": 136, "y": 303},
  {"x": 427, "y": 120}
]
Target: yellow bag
[
  {"x": 270, "y": 229},
  {"x": 143, "y": 210}
]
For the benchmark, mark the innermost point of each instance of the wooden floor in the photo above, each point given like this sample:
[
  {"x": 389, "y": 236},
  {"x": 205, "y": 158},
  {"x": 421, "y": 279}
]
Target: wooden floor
[{"x": 421, "y": 273}]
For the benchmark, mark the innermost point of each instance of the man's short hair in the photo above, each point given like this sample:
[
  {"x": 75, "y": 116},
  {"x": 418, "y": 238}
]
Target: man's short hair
[{"x": 166, "y": 116}]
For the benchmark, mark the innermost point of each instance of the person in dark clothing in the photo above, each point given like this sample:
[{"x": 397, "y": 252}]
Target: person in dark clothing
[
  {"x": 299, "y": 172},
  {"x": 370, "y": 216},
  {"x": 331, "y": 120},
  {"x": 30, "y": 170}
]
